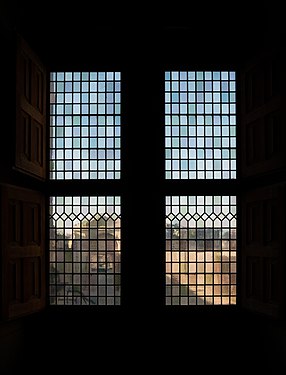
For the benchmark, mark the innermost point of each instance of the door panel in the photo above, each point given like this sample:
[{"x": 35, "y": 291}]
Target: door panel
[
  {"x": 30, "y": 112},
  {"x": 23, "y": 255},
  {"x": 263, "y": 165},
  {"x": 263, "y": 243}
]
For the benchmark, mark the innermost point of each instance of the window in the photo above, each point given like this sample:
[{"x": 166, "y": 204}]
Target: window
[
  {"x": 85, "y": 227},
  {"x": 199, "y": 195},
  {"x": 200, "y": 250},
  {"x": 200, "y": 144},
  {"x": 200, "y": 125},
  {"x": 85, "y": 245},
  {"x": 85, "y": 125}
]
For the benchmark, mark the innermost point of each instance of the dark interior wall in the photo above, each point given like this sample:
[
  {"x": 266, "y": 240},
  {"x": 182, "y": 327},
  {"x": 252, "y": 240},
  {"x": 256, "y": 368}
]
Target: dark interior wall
[
  {"x": 137, "y": 38},
  {"x": 105, "y": 33},
  {"x": 180, "y": 342}
]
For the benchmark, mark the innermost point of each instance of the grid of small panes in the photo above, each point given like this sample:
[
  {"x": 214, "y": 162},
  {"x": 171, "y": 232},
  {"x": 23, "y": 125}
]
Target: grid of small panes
[
  {"x": 200, "y": 250},
  {"x": 200, "y": 125},
  {"x": 85, "y": 120},
  {"x": 85, "y": 250}
]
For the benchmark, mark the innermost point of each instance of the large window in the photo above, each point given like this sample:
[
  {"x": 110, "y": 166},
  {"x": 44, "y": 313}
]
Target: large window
[
  {"x": 85, "y": 221},
  {"x": 200, "y": 144}
]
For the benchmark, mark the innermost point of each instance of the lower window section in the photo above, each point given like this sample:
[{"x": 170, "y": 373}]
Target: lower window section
[
  {"x": 201, "y": 250},
  {"x": 85, "y": 250}
]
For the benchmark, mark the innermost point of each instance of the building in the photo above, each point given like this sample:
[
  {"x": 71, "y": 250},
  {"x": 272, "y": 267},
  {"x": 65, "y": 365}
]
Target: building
[{"x": 98, "y": 245}]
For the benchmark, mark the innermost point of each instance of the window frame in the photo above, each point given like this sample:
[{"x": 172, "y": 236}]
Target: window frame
[{"x": 149, "y": 173}]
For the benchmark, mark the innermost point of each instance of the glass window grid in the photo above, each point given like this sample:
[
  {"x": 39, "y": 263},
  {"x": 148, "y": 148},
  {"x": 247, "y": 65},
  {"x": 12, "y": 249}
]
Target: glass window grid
[
  {"x": 201, "y": 250},
  {"x": 85, "y": 250},
  {"x": 225, "y": 128},
  {"x": 85, "y": 125},
  {"x": 200, "y": 125}
]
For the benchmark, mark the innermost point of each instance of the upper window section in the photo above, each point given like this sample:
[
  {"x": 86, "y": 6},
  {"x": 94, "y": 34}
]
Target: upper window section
[
  {"x": 200, "y": 125},
  {"x": 85, "y": 120}
]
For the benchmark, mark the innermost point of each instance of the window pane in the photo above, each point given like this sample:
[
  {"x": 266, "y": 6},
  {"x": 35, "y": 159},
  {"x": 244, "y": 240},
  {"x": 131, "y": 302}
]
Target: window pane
[
  {"x": 85, "y": 250},
  {"x": 85, "y": 120},
  {"x": 200, "y": 250},
  {"x": 200, "y": 125}
]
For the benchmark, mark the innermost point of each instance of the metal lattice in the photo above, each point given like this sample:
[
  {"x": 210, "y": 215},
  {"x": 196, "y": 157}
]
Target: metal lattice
[
  {"x": 85, "y": 120},
  {"x": 200, "y": 125},
  {"x": 201, "y": 250},
  {"x": 85, "y": 250}
]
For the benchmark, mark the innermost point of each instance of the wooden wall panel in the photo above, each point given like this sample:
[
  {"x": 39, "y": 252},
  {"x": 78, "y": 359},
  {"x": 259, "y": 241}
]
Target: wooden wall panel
[
  {"x": 263, "y": 118},
  {"x": 30, "y": 153},
  {"x": 23, "y": 255},
  {"x": 263, "y": 252}
]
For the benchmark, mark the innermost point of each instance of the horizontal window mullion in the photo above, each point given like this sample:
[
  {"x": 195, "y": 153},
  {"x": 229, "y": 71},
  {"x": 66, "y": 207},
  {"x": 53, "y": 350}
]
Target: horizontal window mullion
[
  {"x": 198, "y": 187},
  {"x": 90, "y": 187}
]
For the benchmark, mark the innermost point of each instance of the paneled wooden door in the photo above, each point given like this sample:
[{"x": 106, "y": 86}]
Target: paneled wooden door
[
  {"x": 263, "y": 162},
  {"x": 23, "y": 256}
]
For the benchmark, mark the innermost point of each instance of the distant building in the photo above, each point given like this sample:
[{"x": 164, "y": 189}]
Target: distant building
[{"x": 96, "y": 244}]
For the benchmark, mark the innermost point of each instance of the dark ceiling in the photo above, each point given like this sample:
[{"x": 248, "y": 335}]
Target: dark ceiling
[{"x": 177, "y": 32}]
